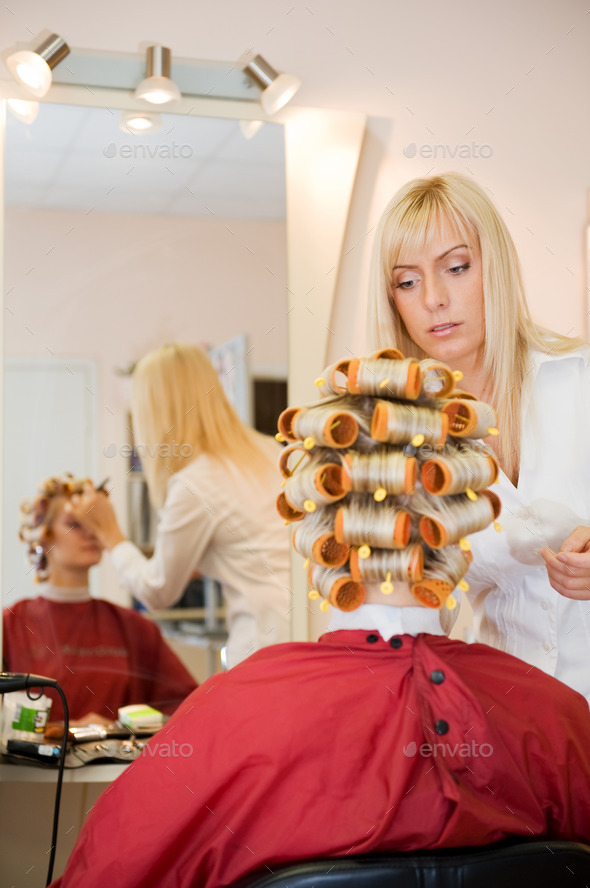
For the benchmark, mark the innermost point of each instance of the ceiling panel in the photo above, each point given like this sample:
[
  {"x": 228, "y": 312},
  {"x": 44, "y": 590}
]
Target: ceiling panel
[{"x": 76, "y": 158}]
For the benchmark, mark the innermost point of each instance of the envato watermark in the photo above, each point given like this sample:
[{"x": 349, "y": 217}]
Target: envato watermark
[
  {"x": 141, "y": 151},
  {"x": 432, "y": 451},
  {"x": 433, "y": 151},
  {"x": 168, "y": 750},
  {"x": 448, "y": 750},
  {"x": 132, "y": 749},
  {"x": 162, "y": 450}
]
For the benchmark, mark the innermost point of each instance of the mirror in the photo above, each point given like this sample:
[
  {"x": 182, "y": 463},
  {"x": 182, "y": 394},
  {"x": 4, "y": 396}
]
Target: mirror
[
  {"x": 115, "y": 244},
  {"x": 322, "y": 152}
]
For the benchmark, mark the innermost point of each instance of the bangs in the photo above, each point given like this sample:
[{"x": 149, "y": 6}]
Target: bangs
[{"x": 413, "y": 225}]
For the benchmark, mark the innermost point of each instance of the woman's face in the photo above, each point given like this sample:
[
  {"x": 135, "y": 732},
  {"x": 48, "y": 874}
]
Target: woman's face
[
  {"x": 438, "y": 293},
  {"x": 69, "y": 546}
]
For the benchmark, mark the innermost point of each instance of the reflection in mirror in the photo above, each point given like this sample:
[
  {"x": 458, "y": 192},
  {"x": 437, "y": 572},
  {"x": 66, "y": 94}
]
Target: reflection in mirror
[{"x": 115, "y": 244}]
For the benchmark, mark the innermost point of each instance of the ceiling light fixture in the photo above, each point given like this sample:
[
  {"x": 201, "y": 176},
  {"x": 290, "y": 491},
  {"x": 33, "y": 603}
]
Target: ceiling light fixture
[
  {"x": 23, "y": 109},
  {"x": 158, "y": 88},
  {"x": 249, "y": 128},
  {"x": 138, "y": 122},
  {"x": 278, "y": 88},
  {"x": 32, "y": 68}
]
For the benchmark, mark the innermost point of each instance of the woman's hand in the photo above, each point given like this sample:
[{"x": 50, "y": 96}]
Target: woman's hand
[
  {"x": 569, "y": 569},
  {"x": 94, "y": 511}
]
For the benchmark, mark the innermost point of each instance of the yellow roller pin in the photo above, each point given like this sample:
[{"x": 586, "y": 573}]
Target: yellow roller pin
[
  {"x": 387, "y": 585},
  {"x": 379, "y": 494},
  {"x": 364, "y": 551}
]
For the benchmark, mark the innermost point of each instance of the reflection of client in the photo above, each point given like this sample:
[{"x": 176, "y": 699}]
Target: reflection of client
[
  {"x": 104, "y": 656},
  {"x": 212, "y": 477},
  {"x": 385, "y": 735}
]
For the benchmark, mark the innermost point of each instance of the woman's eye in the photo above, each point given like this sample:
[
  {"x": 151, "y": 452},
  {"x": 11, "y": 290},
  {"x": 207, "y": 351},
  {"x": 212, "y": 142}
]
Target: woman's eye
[
  {"x": 457, "y": 269},
  {"x": 405, "y": 285}
]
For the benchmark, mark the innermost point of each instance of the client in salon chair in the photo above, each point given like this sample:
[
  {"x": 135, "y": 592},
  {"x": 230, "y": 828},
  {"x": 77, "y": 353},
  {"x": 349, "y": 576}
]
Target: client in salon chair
[
  {"x": 385, "y": 735},
  {"x": 104, "y": 656}
]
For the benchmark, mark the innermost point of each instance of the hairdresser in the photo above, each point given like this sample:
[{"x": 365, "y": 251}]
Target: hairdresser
[
  {"x": 446, "y": 282},
  {"x": 212, "y": 479}
]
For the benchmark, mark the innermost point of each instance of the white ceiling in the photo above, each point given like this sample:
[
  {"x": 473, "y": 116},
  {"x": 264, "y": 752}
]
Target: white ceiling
[{"x": 78, "y": 158}]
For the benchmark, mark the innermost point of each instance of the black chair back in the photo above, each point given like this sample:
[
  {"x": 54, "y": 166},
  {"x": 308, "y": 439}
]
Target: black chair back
[{"x": 551, "y": 864}]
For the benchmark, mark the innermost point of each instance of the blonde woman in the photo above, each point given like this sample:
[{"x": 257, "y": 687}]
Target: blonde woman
[
  {"x": 446, "y": 282},
  {"x": 212, "y": 479}
]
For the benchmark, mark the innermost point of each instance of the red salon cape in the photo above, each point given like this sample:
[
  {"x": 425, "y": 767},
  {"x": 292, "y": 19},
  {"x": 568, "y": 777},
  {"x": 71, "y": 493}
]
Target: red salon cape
[
  {"x": 103, "y": 656},
  {"x": 349, "y": 745}
]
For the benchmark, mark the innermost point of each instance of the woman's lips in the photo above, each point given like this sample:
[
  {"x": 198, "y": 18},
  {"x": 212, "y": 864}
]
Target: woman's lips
[{"x": 443, "y": 329}]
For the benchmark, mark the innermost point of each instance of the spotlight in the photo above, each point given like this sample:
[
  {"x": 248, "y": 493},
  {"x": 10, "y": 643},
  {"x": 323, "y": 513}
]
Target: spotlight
[
  {"x": 277, "y": 88},
  {"x": 32, "y": 68},
  {"x": 23, "y": 110},
  {"x": 249, "y": 128},
  {"x": 158, "y": 88},
  {"x": 138, "y": 122}
]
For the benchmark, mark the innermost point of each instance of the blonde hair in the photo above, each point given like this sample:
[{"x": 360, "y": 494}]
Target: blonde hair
[
  {"x": 37, "y": 514},
  {"x": 408, "y": 224},
  {"x": 180, "y": 411}
]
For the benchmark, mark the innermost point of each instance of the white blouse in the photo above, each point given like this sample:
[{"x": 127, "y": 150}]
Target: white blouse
[
  {"x": 222, "y": 522},
  {"x": 515, "y": 607}
]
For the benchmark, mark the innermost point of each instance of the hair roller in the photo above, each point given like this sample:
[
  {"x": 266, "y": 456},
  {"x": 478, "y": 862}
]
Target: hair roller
[
  {"x": 286, "y": 511},
  {"x": 443, "y": 569},
  {"x": 446, "y": 520},
  {"x": 385, "y": 378},
  {"x": 337, "y": 587},
  {"x": 322, "y": 424},
  {"x": 438, "y": 380},
  {"x": 469, "y": 418},
  {"x": 315, "y": 539},
  {"x": 389, "y": 354},
  {"x": 383, "y": 470},
  {"x": 400, "y": 423},
  {"x": 291, "y": 458},
  {"x": 363, "y": 522},
  {"x": 317, "y": 482},
  {"x": 333, "y": 379},
  {"x": 403, "y": 564},
  {"x": 455, "y": 472}
]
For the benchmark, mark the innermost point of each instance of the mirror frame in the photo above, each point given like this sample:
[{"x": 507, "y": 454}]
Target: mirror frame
[{"x": 322, "y": 151}]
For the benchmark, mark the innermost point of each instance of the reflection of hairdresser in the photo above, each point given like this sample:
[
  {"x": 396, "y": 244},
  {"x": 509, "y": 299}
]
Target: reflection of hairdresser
[
  {"x": 104, "y": 656},
  {"x": 383, "y": 736},
  {"x": 213, "y": 478}
]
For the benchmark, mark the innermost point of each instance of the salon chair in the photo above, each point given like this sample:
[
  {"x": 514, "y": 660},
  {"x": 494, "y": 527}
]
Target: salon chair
[{"x": 551, "y": 864}]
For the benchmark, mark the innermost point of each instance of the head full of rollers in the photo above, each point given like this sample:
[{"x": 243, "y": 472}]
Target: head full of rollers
[{"x": 386, "y": 477}]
